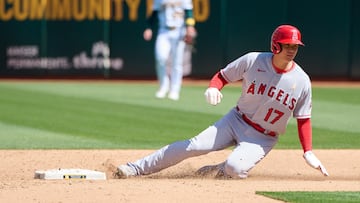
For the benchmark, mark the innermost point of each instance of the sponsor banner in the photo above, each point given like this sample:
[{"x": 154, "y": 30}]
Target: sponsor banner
[{"x": 27, "y": 57}]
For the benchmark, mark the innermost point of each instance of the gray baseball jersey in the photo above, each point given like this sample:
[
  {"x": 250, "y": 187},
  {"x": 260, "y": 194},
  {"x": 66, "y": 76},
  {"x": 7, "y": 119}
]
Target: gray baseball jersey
[{"x": 268, "y": 98}]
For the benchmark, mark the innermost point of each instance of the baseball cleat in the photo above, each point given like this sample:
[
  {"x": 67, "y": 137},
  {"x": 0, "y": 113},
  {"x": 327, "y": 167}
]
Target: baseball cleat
[
  {"x": 161, "y": 94},
  {"x": 124, "y": 171},
  {"x": 210, "y": 170},
  {"x": 174, "y": 96}
]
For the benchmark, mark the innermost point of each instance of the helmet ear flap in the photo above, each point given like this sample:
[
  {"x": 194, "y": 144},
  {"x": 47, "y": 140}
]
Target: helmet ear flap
[{"x": 275, "y": 47}]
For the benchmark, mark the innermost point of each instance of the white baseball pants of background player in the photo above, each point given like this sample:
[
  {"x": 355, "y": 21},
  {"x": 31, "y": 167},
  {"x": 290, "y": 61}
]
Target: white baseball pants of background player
[
  {"x": 169, "y": 43},
  {"x": 251, "y": 146}
]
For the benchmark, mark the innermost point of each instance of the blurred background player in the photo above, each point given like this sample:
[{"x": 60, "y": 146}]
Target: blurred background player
[{"x": 175, "y": 29}]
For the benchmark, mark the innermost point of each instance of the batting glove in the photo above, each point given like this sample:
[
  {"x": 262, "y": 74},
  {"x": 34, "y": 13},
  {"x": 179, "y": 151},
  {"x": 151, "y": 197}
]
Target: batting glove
[
  {"x": 314, "y": 162},
  {"x": 213, "y": 96}
]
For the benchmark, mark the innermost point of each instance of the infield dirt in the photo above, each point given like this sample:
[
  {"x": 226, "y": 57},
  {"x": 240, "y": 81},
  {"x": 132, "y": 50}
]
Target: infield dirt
[{"x": 281, "y": 170}]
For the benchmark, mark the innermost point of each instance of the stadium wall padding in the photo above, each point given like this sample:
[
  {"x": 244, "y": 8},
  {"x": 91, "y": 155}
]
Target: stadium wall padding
[{"x": 103, "y": 38}]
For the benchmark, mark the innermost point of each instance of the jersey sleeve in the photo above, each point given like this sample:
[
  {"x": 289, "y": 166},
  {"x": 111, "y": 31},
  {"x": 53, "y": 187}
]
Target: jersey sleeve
[
  {"x": 188, "y": 5},
  {"x": 235, "y": 70},
  {"x": 304, "y": 105}
]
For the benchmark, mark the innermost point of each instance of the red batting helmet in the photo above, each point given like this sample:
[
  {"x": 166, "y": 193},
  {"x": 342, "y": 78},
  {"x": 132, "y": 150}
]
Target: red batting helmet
[{"x": 284, "y": 34}]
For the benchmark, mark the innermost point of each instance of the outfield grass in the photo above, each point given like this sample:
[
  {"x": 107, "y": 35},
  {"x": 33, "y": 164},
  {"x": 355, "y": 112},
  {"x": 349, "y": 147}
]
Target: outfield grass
[{"x": 88, "y": 115}]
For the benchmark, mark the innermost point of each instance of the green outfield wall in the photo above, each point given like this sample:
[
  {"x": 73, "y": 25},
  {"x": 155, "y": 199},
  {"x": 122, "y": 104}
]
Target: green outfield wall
[{"x": 103, "y": 38}]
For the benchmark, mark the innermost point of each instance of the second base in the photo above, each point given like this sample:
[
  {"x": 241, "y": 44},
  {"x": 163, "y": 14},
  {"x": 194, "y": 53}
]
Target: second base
[{"x": 57, "y": 174}]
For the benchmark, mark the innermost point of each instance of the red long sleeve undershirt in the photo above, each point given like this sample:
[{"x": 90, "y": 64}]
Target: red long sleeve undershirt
[
  {"x": 304, "y": 125},
  {"x": 305, "y": 133},
  {"x": 218, "y": 81}
]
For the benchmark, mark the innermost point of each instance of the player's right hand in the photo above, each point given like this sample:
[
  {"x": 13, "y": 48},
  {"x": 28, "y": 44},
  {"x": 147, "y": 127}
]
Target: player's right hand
[
  {"x": 147, "y": 34},
  {"x": 190, "y": 35},
  {"x": 213, "y": 96}
]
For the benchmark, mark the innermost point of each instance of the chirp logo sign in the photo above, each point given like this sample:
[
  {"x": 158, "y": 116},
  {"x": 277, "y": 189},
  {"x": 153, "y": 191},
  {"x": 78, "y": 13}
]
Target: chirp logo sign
[
  {"x": 100, "y": 58},
  {"x": 27, "y": 57},
  {"x": 80, "y": 10}
]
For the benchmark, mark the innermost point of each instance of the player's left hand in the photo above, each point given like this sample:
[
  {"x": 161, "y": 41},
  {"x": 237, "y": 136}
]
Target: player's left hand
[
  {"x": 314, "y": 162},
  {"x": 190, "y": 35}
]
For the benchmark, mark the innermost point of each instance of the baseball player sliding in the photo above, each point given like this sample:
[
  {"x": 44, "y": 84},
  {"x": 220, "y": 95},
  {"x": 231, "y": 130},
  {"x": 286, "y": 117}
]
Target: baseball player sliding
[
  {"x": 274, "y": 88},
  {"x": 175, "y": 28}
]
